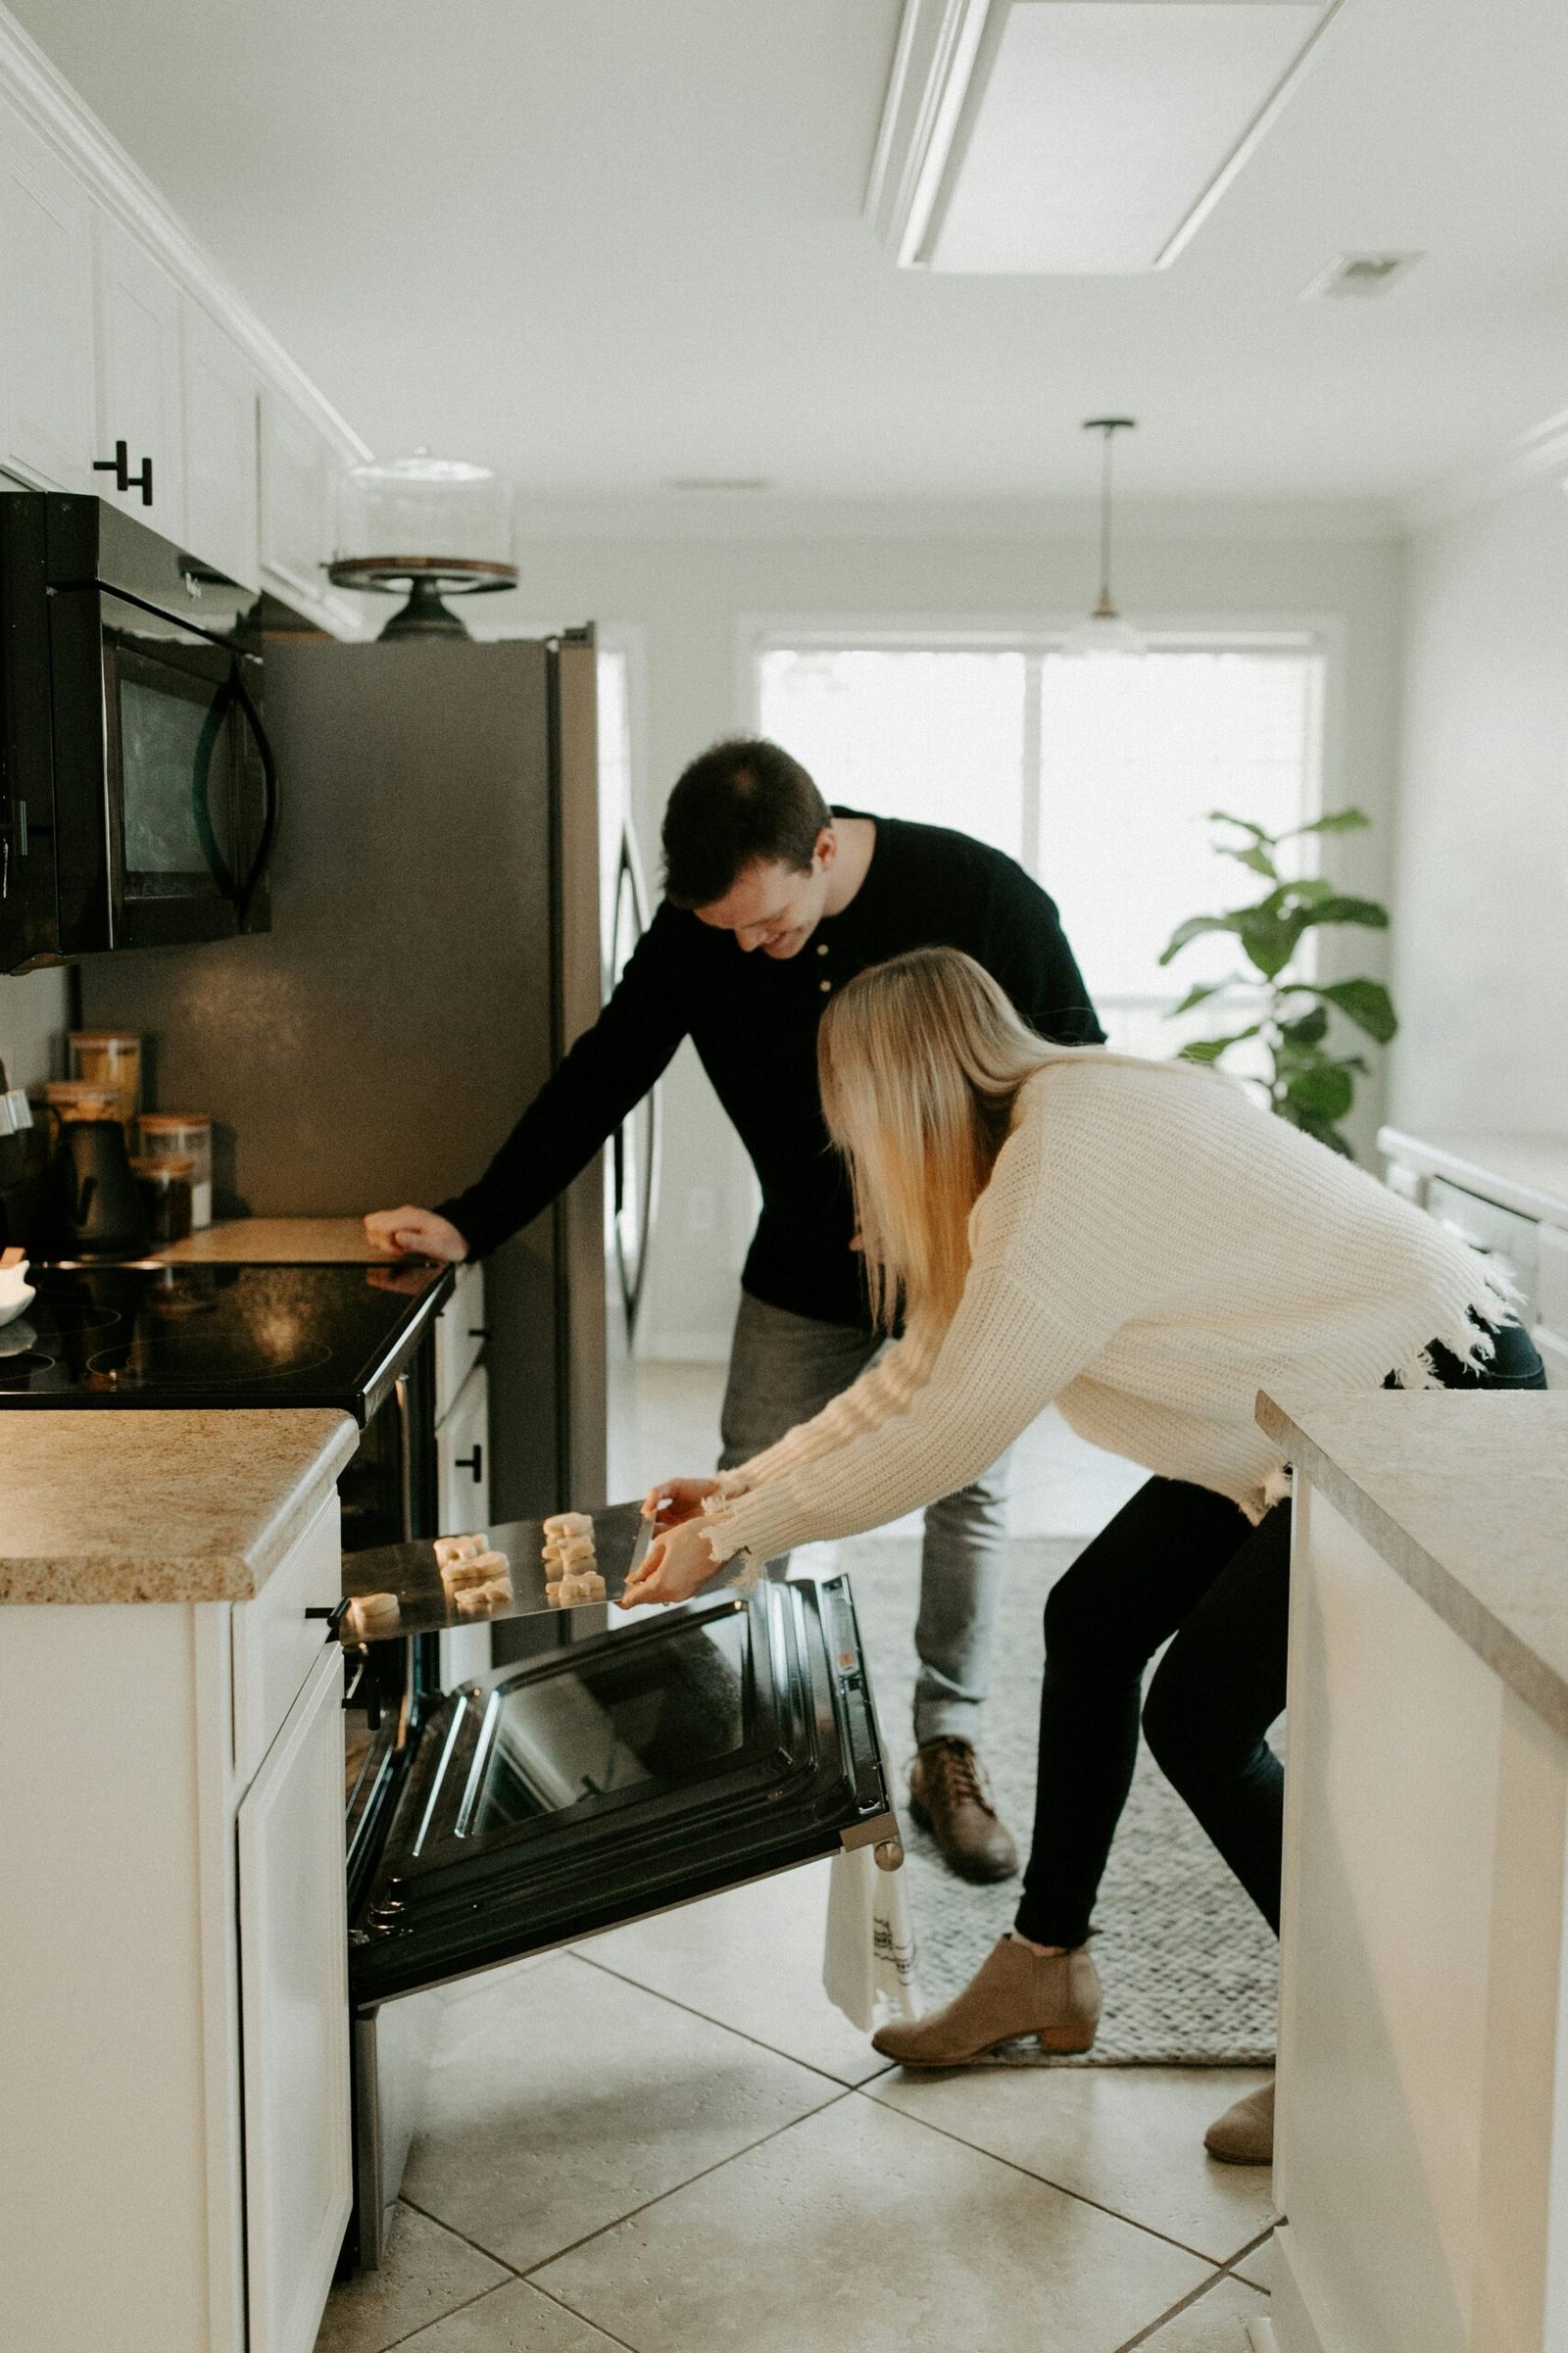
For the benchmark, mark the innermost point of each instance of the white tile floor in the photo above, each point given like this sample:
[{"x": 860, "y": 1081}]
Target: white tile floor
[{"x": 666, "y": 2140}]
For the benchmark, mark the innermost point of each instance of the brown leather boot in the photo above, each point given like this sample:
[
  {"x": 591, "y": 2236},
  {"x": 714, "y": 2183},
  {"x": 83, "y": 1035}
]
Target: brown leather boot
[
  {"x": 950, "y": 1797},
  {"x": 1244, "y": 2133},
  {"x": 1017, "y": 1992}
]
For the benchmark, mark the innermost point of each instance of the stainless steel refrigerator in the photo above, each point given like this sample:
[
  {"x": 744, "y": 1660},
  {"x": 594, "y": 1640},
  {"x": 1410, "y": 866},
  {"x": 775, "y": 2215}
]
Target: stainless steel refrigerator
[{"x": 436, "y": 947}]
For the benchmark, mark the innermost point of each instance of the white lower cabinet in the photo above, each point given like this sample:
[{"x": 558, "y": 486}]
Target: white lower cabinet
[
  {"x": 462, "y": 1490},
  {"x": 174, "y": 2115},
  {"x": 293, "y": 1956},
  {"x": 463, "y": 1460}
]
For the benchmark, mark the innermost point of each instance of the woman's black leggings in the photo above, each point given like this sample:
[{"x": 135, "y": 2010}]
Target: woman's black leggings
[{"x": 1177, "y": 1561}]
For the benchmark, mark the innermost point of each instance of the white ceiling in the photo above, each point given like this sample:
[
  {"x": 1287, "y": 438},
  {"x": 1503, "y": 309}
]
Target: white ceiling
[{"x": 603, "y": 243}]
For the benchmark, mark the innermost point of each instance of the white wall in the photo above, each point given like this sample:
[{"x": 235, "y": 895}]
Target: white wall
[
  {"x": 1481, "y": 942},
  {"x": 687, "y": 594}
]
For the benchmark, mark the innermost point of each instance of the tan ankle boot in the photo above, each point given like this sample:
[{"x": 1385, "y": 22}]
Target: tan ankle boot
[
  {"x": 1244, "y": 2133},
  {"x": 1017, "y": 1992}
]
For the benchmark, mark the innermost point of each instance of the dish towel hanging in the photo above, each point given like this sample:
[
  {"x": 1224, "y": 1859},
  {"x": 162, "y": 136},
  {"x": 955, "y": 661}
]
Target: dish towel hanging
[{"x": 870, "y": 1968}]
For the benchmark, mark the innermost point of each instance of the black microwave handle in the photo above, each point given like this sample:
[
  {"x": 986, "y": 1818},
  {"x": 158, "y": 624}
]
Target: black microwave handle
[{"x": 264, "y": 848}]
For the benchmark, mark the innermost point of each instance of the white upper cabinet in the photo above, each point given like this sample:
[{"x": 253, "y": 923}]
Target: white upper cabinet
[
  {"x": 139, "y": 397},
  {"x": 220, "y": 393},
  {"x": 47, "y": 370},
  {"x": 114, "y": 328},
  {"x": 298, "y": 478}
]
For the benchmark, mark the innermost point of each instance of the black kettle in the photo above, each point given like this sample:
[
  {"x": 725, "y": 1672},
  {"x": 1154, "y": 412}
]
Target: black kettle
[{"x": 98, "y": 1211}]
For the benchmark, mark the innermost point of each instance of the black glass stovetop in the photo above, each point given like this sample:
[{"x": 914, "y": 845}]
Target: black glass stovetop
[{"x": 172, "y": 1336}]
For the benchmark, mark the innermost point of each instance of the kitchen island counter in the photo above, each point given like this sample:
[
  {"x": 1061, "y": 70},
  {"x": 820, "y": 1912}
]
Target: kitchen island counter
[
  {"x": 1421, "y": 2148},
  {"x": 1466, "y": 1499},
  {"x": 160, "y": 1507}
]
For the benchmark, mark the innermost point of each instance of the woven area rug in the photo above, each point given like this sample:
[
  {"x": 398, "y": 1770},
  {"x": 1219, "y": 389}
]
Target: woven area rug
[{"x": 1190, "y": 1971}]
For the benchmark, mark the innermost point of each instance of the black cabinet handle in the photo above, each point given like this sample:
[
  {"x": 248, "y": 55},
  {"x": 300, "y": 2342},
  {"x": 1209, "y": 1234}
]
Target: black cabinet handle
[
  {"x": 119, "y": 467},
  {"x": 479, "y": 1330},
  {"x": 334, "y": 1616},
  {"x": 472, "y": 1462}
]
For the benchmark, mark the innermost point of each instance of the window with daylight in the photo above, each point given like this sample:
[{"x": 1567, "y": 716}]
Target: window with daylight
[{"x": 1096, "y": 774}]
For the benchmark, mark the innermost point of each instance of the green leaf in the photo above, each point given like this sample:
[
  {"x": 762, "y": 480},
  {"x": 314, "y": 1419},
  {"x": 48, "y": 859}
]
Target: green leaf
[
  {"x": 1269, "y": 939},
  {"x": 1200, "y": 995},
  {"x": 1334, "y": 909},
  {"x": 1209, "y": 1049},
  {"x": 1193, "y": 929},
  {"x": 1253, "y": 855},
  {"x": 1222, "y": 816},
  {"x": 1367, "y": 1004},
  {"x": 1310, "y": 889},
  {"x": 1326, "y": 1091},
  {"x": 1334, "y": 820},
  {"x": 1308, "y": 1029}
]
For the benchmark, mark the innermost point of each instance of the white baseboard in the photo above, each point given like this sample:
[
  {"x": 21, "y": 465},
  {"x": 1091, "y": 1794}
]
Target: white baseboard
[{"x": 1299, "y": 2317}]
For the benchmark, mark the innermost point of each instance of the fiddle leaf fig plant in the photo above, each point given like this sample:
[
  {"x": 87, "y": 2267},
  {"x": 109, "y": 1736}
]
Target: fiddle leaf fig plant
[{"x": 1309, "y": 1082}]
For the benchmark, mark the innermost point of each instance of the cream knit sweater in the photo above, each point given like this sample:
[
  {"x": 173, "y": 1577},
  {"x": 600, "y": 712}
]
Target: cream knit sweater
[{"x": 1153, "y": 1248}]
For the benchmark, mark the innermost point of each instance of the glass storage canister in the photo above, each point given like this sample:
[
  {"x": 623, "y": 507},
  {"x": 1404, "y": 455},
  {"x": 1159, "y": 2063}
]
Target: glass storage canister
[
  {"x": 183, "y": 1136},
  {"x": 75, "y": 1099},
  {"x": 166, "y": 1191},
  {"x": 109, "y": 1057}
]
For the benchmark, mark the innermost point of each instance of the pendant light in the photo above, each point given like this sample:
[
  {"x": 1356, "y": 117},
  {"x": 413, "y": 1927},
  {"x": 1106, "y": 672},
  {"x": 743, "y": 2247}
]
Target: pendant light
[{"x": 1105, "y": 631}]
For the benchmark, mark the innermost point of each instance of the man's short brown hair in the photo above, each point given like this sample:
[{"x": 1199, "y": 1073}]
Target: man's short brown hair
[{"x": 742, "y": 800}]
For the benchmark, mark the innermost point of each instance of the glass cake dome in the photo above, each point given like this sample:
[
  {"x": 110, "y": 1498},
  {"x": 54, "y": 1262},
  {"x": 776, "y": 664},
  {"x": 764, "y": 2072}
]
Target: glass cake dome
[{"x": 432, "y": 527}]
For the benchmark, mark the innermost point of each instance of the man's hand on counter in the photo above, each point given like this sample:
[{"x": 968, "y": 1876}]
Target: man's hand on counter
[
  {"x": 676, "y": 1564},
  {"x": 414, "y": 1233}
]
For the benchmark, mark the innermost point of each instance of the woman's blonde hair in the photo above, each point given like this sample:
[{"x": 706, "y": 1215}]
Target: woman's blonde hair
[{"x": 920, "y": 1062}]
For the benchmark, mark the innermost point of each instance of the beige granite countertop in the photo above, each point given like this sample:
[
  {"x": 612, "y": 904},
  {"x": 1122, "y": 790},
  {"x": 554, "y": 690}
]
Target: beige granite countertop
[
  {"x": 275, "y": 1242},
  {"x": 147, "y": 1507},
  {"x": 1523, "y": 1171},
  {"x": 1466, "y": 1499}
]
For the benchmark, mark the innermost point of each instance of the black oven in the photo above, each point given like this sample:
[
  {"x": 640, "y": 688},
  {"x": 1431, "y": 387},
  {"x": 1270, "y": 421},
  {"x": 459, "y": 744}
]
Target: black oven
[
  {"x": 138, "y": 795},
  {"x": 626, "y": 1762}
]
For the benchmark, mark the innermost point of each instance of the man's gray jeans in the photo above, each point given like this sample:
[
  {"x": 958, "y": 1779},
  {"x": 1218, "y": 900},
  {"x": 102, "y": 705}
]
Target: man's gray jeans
[{"x": 784, "y": 1368}]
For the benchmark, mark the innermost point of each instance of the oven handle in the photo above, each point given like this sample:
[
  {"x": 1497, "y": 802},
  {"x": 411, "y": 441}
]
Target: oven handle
[{"x": 264, "y": 849}]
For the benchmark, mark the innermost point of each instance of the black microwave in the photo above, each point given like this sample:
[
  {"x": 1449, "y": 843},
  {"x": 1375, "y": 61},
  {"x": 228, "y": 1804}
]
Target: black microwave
[{"x": 138, "y": 794}]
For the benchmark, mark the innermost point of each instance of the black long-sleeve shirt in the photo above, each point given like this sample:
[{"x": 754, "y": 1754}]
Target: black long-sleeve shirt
[{"x": 753, "y": 1020}]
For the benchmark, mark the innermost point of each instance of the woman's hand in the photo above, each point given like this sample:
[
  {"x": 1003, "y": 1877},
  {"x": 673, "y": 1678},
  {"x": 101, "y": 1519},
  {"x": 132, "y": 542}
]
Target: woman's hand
[
  {"x": 408, "y": 1232},
  {"x": 673, "y": 1501},
  {"x": 676, "y": 1563}
]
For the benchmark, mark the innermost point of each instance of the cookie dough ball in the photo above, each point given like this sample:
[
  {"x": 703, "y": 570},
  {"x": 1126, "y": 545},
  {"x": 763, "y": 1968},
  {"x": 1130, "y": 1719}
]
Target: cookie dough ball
[
  {"x": 373, "y": 1615},
  {"x": 452, "y": 1548},
  {"x": 569, "y": 1523}
]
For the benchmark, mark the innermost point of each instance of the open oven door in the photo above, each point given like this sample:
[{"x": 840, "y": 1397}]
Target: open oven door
[{"x": 631, "y": 1768}]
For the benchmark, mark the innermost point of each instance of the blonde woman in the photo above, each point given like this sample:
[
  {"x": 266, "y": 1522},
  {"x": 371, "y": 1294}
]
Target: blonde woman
[{"x": 1139, "y": 1243}]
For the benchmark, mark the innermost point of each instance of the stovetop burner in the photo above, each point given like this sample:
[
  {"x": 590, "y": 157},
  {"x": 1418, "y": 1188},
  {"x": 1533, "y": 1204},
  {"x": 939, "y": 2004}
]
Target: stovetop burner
[
  {"x": 220, "y": 1335},
  {"x": 173, "y": 1360}
]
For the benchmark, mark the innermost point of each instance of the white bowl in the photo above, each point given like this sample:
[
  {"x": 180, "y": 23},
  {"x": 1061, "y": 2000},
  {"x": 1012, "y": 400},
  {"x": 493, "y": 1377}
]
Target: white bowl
[{"x": 16, "y": 1292}]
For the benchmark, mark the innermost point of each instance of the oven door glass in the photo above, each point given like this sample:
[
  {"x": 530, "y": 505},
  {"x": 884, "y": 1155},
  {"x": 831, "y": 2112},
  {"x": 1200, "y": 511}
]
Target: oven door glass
[
  {"x": 190, "y": 795},
  {"x": 636, "y": 1769}
]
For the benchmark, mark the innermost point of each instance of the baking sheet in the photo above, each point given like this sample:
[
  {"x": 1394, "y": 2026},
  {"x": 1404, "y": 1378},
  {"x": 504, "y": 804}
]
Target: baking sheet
[{"x": 621, "y": 1537}]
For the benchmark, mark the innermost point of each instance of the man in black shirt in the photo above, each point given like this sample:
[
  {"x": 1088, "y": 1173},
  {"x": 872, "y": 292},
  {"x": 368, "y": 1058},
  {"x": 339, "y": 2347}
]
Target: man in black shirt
[{"x": 773, "y": 902}]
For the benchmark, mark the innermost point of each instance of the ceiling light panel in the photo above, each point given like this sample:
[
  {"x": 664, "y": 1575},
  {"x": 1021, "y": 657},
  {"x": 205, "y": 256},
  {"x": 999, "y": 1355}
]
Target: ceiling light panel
[{"x": 1076, "y": 137}]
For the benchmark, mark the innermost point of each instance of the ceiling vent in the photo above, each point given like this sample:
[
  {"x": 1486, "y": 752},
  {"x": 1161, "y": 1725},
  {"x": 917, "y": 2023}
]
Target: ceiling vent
[
  {"x": 1075, "y": 137},
  {"x": 1360, "y": 275}
]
